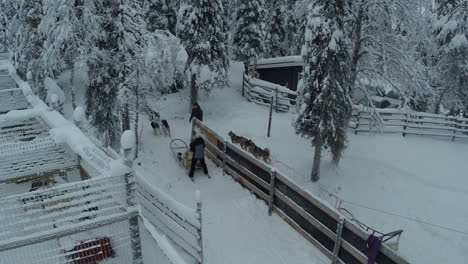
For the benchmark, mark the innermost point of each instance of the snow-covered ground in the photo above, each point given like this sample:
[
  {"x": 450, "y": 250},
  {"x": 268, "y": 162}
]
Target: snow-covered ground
[{"x": 415, "y": 177}]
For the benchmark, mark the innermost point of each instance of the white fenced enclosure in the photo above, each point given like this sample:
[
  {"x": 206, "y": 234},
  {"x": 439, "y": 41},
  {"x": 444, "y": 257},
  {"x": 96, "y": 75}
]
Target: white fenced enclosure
[
  {"x": 366, "y": 119},
  {"x": 263, "y": 92},
  {"x": 63, "y": 199}
]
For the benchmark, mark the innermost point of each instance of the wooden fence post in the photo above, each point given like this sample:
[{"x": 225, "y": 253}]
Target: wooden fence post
[
  {"x": 133, "y": 221},
  {"x": 277, "y": 99},
  {"x": 455, "y": 127},
  {"x": 271, "y": 114},
  {"x": 336, "y": 248},
  {"x": 406, "y": 124},
  {"x": 357, "y": 122},
  {"x": 224, "y": 157},
  {"x": 200, "y": 230},
  {"x": 243, "y": 83},
  {"x": 272, "y": 191}
]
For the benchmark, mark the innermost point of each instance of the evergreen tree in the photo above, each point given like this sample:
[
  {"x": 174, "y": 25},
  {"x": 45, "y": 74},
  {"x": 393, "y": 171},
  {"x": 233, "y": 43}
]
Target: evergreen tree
[
  {"x": 325, "y": 105},
  {"x": 204, "y": 37},
  {"x": 28, "y": 59},
  {"x": 451, "y": 31},
  {"x": 161, "y": 15},
  {"x": 295, "y": 25},
  {"x": 276, "y": 29},
  {"x": 249, "y": 35},
  {"x": 101, "y": 94}
]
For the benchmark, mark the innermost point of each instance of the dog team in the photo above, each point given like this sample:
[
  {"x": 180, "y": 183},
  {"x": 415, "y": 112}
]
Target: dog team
[{"x": 249, "y": 145}]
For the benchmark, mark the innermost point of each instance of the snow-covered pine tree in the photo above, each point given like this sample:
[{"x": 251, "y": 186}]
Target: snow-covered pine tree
[
  {"x": 204, "y": 37},
  {"x": 249, "y": 36},
  {"x": 451, "y": 31},
  {"x": 275, "y": 39},
  {"x": 324, "y": 103}
]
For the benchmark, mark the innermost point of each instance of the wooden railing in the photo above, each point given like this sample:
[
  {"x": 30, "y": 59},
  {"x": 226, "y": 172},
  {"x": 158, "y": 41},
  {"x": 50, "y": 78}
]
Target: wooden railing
[
  {"x": 179, "y": 223},
  {"x": 320, "y": 224},
  {"x": 262, "y": 92},
  {"x": 409, "y": 123}
]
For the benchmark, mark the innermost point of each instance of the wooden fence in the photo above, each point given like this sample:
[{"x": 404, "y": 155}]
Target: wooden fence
[
  {"x": 261, "y": 92},
  {"x": 409, "y": 123},
  {"x": 180, "y": 224},
  {"x": 339, "y": 239}
]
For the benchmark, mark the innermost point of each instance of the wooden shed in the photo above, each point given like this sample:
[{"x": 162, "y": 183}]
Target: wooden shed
[{"x": 284, "y": 71}]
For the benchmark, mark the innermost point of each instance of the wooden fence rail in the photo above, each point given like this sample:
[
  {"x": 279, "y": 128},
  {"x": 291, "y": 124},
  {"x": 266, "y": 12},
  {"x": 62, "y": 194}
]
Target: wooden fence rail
[
  {"x": 261, "y": 92},
  {"x": 315, "y": 221},
  {"x": 410, "y": 123}
]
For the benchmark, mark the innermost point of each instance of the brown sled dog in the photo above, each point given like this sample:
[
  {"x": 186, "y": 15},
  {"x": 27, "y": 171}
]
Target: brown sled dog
[
  {"x": 235, "y": 139},
  {"x": 261, "y": 153}
]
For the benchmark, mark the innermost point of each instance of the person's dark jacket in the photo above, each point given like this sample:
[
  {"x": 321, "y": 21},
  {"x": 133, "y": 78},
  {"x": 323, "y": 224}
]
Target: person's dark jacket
[
  {"x": 197, "y": 146},
  {"x": 197, "y": 113}
]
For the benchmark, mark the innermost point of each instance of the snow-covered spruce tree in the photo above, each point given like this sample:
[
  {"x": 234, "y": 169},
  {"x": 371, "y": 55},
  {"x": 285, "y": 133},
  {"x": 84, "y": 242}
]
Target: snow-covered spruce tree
[
  {"x": 249, "y": 36},
  {"x": 276, "y": 29},
  {"x": 451, "y": 32},
  {"x": 204, "y": 37},
  {"x": 101, "y": 93},
  {"x": 295, "y": 25},
  {"x": 325, "y": 105},
  {"x": 61, "y": 27},
  {"x": 30, "y": 45},
  {"x": 161, "y": 15}
]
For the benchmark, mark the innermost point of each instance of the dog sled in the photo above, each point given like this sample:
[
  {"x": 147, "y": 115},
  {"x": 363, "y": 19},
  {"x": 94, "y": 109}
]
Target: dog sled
[{"x": 181, "y": 152}]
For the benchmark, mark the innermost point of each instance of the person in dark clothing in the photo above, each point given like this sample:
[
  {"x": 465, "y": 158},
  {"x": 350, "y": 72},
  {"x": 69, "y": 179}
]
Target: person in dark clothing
[
  {"x": 197, "y": 112},
  {"x": 197, "y": 146}
]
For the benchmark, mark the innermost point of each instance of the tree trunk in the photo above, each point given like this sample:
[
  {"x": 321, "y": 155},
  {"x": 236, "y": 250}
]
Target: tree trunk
[
  {"x": 137, "y": 120},
  {"x": 315, "y": 176},
  {"x": 125, "y": 119},
  {"x": 72, "y": 87},
  {"x": 355, "y": 57},
  {"x": 193, "y": 91}
]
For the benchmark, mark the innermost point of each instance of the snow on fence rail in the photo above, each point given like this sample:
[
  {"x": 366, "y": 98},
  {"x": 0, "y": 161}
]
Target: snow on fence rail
[
  {"x": 410, "y": 123},
  {"x": 261, "y": 92},
  {"x": 308, "y": 215},
  {"x": 179, "y": 223}
]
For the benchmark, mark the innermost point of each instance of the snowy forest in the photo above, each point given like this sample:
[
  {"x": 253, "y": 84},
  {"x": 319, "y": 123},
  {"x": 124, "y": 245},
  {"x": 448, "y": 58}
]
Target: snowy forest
[{"x": 127, "y": 52}]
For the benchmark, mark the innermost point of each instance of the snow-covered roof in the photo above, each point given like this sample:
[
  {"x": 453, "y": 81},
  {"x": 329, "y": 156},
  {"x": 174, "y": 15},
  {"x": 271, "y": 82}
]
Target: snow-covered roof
[
  {"x": 31, "y": 158},
  {"x": 12, "y": 99},
  {"x": 280, "y": 62}
]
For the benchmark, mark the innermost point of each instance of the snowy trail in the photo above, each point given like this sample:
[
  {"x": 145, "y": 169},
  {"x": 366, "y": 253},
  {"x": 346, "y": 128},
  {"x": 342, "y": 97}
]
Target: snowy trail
[{"x": 236, "y": 225}]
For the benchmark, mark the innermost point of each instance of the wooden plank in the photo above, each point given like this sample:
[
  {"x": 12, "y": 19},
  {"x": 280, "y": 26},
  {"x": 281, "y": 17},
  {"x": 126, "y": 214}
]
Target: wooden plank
[
  {"x": 303, "y": 233},
  {"x": 307, "y": 196},
  {"x": 248, "y": 173},
  {"x": 214, "y": 148},
  {"x": 192, "y": 250},
  {"x": 249, "y": 157},
  {"x": 199, "y": 123},
  {"x": 312, "y": 220},
  {"x": 246, "y": 183},
  {"x": 213, "y": 158},
  {"x": 189, "y": 227},
  {"x": 272, "y": 191}
]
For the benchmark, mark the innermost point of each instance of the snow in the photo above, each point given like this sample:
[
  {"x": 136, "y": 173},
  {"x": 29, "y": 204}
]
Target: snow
[
  {"x": 53, "y": 90},
  {"x": 79, "y": 114},
  {"x": 459, "y": 41},
  {"x": 420, "y": 178},
  {"x": 166, "y": 246},
  {"x": 287, "y": 59},
  {"x": 257, "y": 82},
  {"x": 128, "y": 140}
]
